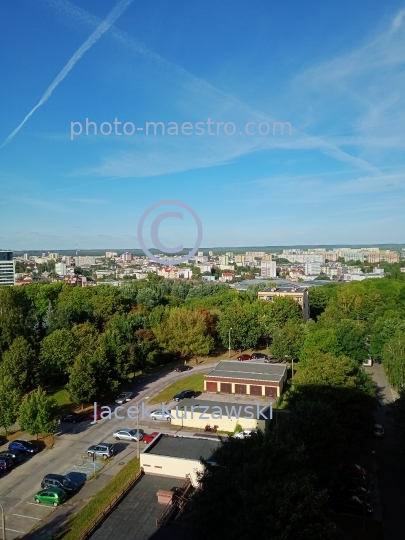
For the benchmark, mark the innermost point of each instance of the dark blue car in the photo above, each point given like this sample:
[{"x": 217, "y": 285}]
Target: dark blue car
[{"x": 25, "y": 447}]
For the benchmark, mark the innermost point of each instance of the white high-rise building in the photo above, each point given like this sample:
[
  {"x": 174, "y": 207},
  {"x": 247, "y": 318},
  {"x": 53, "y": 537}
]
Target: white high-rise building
[
  {"x": 61, "y": 269},
  {"x": 268, "y": 269},
  {"x": 7, "y": 268}
]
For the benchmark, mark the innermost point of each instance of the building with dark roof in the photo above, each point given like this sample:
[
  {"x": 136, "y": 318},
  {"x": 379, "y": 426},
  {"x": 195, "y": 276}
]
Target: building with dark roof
[
  {"x": 178, "y": 456},
  {"x": 250, "y": 378}
]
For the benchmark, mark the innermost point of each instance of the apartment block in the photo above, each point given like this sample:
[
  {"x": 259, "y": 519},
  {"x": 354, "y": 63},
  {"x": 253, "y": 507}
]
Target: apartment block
[
  {"x": 391, "y": 257},
  {"x": 85, "y": 259},
  {"x": 61, "y": 269},
  {"x": 223, "y": 260},
  {"x": 299, "y": 294},
  {"x": 312, "y": 268},
  {"x": 373, "y": 257},
  {"x": 7, "y": 268},
  {"x": 268, "y": 269},
  {"x": 111, "y": 254}
]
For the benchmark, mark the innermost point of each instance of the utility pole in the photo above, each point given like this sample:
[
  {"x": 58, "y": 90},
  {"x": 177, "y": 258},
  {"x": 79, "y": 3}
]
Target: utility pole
[
  {"x": 3, "y": 523},
  {"x": 229, "y": 343}
]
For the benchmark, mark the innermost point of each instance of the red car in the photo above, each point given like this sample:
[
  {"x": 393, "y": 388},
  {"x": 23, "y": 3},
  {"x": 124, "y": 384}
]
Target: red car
[
  {"x": 98, "y": 414},
  {"x": 149, "y": 438},
  {"x": 244, "y": 357}
]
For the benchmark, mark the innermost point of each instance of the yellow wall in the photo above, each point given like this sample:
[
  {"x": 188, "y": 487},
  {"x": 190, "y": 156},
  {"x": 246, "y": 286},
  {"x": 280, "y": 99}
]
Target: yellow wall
[
  {"x": 170, "y": 466},
  {"x": 224, "y": 423}
]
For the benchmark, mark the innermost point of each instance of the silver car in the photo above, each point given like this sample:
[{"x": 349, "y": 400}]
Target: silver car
[
  {"x": 127, "y": 434},
  {"x": 123, "y": 398},
  {"x": 159, "y": 415}
]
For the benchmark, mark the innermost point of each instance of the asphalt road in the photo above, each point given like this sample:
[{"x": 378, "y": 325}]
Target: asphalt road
[
  {"x": 18, "y": 486},
  {"x": 390, "y": 469}
]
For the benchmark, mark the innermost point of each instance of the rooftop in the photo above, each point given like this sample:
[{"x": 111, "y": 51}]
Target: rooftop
[
  {"x": 227, "y": 408},
  {"x": 285, "y": 289},
  {"x": 193, "y": 448},
  {"x": 232, "y": 369}
]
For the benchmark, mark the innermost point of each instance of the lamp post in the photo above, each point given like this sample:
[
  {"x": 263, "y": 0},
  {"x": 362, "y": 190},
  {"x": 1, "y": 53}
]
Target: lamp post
[
  {"x": 229, "y": 343},
  {"x": 3, "y": 523},
  {"x": 138, "y": 448},
  {"x": 292, "y": 364}
]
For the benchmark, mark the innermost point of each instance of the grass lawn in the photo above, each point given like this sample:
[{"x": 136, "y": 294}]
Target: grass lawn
[
  {"x": 194, "y": 382},
  {"x": 78, "y": 524}
]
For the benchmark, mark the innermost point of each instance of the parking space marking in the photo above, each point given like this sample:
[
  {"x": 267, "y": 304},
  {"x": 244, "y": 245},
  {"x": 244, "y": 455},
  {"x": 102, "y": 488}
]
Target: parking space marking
[
  {"x": 13, "y": 530},
  {"x": 29, "y": 517}
]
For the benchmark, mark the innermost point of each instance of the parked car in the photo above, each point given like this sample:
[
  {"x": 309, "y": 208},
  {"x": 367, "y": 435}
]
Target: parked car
[
  {"x": 16, "y": 456},
  {"x": 378, "y": 430},
  {"x": 351, "y": 504},
  {"x": 104, "y": 450},
  {"x": 25, "y": 447},
  {"x": 368, "y": 362},
  {"x": 271, "y": 360},
  {"x": 259, "y": 356},
  {"x": 159, "y": 415},
  {"x": 4, "y": 465},
  {"x": 376, "y": 359},
  {"x": 123, "y": 398},
  {"x": 181, "y": 368},
  {"x": 147, "y": 439},
  {"x": 97, "y": 416},
  {"x": 71, "y": 418},
  {"x": 54, "y": 495},
  {"x": 184, "y": 394},
  {"x": 59, "y": 481},
  {"x": 127, "y": 434},
  {"x": 243, "y": 357},
  {"x": 245, "y": 433},
  {"x": 8, "y": 460}
]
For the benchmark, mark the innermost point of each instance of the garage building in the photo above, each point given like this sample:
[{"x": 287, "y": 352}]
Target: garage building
[
  {"x": 178, "y": 456},
  {"x": 197, "y": 413},
  {"x": 246, "y": 378}
]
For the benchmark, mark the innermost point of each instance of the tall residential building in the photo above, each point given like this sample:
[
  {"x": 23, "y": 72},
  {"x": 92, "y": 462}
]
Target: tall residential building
[
  {"x": 239, "y": 258},
  {"x": 200, "y": 254},
  {"x": 223, "y": 260},
  {"x": 373, "y": 257},
  {"x": 85, "y": 259},
  {"x": 312, "y": 268},
  {"x": 61, "y": 269},
  {"x": 211, "y": 253},
  {"x": 25, "y": 256},
  {"x": 53, "y": 256},
  {"x": 267, "y": 257},
  {"x": 126, "y": 257},
  {"x": 391, "y": 257},
  {"x": 268, "y": 269},
  {"x": 7, "y": 268},
  {"x": 111, "y": 254}
]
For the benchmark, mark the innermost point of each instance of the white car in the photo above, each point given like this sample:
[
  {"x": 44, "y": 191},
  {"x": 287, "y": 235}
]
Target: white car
[
  {"x": 127, "y": 434},
  {"x": 123, "y": 398},
  {"x": 245, "y": 433},
  {"x": 159, "y": 415},
  {"x": 368, "y": 362}
]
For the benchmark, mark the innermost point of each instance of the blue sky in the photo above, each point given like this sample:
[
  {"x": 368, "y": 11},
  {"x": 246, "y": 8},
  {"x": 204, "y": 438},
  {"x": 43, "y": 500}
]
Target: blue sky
[{"x": 334, "y": 71}]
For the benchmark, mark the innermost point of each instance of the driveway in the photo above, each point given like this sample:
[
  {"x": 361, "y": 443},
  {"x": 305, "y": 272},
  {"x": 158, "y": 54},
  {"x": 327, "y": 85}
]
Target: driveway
[
  {"x": 390, "y": 469},
  {"x": 19, "y": 486}
]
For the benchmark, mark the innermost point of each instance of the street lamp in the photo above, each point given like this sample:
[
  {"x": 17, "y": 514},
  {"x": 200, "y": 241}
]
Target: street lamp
[
  {"x": 138, "y": 449},
  {"x": 229, "y": 343},
  {"x": 3, "y": 523},
  {"x": 292, "y": 364}
]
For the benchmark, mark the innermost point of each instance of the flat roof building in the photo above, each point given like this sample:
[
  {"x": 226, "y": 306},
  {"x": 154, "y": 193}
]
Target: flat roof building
[
  {"x": 299, "y": 294},
  {"x": 197, "y": 413},
  {"x": 178, "y": 456},
  {"x": 246, "y": 378}
]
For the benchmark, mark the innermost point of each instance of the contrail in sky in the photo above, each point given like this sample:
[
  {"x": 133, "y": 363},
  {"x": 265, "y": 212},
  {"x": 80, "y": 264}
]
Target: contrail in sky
[{"x": 90, "y": 41}]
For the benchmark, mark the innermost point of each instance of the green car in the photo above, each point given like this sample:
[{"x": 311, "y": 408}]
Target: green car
[{"x": 50, "y": 495}]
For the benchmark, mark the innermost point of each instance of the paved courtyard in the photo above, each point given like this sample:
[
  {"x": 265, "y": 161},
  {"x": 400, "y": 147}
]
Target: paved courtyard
[{"x": 135, "y": 516}]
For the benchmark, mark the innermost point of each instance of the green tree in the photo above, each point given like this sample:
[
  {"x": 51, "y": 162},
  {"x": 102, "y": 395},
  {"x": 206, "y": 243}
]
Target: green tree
[
  {"x": 10, "y": 399},
  {"x": 283, "y": 505},
  {"x": 82, "y": 385},
  {"x": 240, "y": 321},
  {"x": 148, "y": 298},
  {"x": 184, "y": 332},
  {"x": 20, "y": 362},
  {"x": 393, "y": 356},
  {"x": 37, "y": 413},
  {"x": 57, "y": 354},
  {"x": 14, "y": 312},
  {"x": 288, "y": 340}
]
